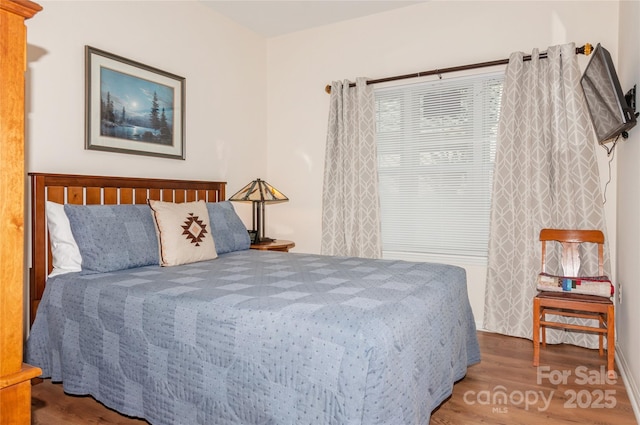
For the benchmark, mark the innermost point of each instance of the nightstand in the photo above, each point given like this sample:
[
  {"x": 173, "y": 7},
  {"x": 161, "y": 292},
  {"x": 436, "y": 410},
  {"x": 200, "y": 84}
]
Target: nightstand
[{"x": 276, "y": 245}]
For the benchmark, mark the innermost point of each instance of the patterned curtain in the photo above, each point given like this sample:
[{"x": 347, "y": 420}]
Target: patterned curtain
[
  {"x": 545, "y": 175},
  {"x": 350, "y": 203}
]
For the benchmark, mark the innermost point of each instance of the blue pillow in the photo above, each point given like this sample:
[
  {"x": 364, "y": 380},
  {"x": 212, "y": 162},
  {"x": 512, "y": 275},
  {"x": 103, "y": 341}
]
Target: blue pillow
[
  {"x": 228, "y": 231},
  {"x": 114, "y": 237}
]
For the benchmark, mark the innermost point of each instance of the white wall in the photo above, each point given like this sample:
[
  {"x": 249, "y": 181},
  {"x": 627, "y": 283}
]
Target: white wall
[
  {"x": 416, "y": 38},
  {"x": 628, "y": 210},
  {"x": 224, "y": 66}
]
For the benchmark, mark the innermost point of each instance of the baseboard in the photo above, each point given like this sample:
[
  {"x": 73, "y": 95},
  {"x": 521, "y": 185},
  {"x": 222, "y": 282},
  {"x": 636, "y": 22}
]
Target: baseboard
[{"x": 629, "y": 384}]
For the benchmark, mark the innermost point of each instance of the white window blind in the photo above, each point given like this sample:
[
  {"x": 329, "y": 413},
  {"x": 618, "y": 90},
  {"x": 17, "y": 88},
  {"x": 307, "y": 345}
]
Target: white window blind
[{"x": 436, "y": 149}]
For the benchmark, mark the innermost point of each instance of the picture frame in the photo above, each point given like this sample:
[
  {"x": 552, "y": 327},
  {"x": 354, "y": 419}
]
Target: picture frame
[{"x": 132, "y": 108}]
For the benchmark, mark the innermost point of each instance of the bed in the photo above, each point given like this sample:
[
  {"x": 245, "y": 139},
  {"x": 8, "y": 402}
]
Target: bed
[{"x": 248, "y": 337}]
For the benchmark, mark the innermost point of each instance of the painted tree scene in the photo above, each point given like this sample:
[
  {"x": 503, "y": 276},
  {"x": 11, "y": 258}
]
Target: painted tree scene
[{"x": 136, "y": 109}]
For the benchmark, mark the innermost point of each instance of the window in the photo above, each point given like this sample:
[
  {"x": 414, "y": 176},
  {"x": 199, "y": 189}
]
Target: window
[{"x": 436, "y": 150}]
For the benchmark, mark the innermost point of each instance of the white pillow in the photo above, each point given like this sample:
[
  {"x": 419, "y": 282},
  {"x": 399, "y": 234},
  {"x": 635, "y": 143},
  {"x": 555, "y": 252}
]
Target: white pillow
[
  {"x": 64, "y": 250},
  {"x": 184, "y": 232}
]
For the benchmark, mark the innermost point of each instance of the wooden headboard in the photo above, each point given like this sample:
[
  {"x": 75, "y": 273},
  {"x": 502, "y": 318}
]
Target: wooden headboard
[{"x": 98, "y": 190}]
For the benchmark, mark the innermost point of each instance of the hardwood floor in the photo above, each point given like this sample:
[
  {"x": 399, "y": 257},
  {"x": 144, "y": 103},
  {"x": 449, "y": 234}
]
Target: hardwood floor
[
  {"x": 569, "y": 388},
  {"x": 536, "y": 395}
]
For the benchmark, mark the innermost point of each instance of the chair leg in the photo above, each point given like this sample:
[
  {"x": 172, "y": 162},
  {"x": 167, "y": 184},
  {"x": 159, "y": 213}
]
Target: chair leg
[
  {"x": 611, "y": 341},
  {"x": 543, "y": 328},
  {"x": 536, "y": 331},
  {"x": 601, "y": 345},
  {"x": 602, "y": 325}
]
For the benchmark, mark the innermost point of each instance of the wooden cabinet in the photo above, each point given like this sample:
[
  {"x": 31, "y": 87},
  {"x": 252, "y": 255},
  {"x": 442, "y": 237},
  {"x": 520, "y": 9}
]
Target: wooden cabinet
[{"x": 15, "y": 377}]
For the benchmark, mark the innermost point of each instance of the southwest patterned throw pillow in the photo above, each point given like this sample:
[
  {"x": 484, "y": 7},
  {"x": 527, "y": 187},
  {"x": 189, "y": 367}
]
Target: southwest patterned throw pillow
[{"x": 184, "y": 232}]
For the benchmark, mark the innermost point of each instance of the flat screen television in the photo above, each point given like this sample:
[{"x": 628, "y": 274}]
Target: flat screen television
[{"x": 610, "y": 114}]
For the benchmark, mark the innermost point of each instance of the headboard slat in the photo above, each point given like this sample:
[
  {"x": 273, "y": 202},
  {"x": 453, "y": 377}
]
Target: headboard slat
[
  {"x": 84, "y": 190},
  {"x": 141, "y": 196},
  {"x": 56, "y": 194},
  {"x": 109, "y": 196},
  {"x": 93, "y": 195},
  {"x": 167, "y": 195},
  {"x": 126, "y": 196},
  {"x": 75, "y": 195}
]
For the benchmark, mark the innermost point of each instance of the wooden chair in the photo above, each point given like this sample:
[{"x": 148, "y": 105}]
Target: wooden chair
[{"x": 569, "y": 304}]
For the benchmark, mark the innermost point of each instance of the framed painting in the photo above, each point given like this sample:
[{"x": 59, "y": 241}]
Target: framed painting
[{"x": 132, "y": 108}]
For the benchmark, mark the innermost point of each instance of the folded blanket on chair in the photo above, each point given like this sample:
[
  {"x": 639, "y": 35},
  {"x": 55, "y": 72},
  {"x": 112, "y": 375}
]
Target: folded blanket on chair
[{"x": 595, "y": 285}]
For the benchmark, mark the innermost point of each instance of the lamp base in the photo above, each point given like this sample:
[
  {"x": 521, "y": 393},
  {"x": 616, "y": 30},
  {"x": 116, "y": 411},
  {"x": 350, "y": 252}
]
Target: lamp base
[
  {"x": 263, "y": 241},
  {"x": 254, "y": 237}
]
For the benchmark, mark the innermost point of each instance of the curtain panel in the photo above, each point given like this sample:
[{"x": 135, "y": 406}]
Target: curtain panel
[
  {"x": 350, "y": 200},
  {"x": 546, "y": 175}
]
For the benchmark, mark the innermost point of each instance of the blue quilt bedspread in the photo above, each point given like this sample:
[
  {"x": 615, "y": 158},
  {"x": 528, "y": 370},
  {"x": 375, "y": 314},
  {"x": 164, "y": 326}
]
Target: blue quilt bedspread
[{"x": 258, "y": 337}]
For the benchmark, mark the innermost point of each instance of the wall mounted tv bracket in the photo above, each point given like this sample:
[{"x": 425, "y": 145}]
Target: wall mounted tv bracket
[{"x": 630, "y": 97}]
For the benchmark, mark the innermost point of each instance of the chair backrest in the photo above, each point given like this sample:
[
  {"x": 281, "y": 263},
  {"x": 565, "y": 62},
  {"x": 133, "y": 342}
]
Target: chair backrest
[{"x": 570, "y": 240}]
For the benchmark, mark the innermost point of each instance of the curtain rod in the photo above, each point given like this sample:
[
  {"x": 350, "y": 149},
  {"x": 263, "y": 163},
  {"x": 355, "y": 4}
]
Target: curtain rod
[{"x": 585, "y": 50}]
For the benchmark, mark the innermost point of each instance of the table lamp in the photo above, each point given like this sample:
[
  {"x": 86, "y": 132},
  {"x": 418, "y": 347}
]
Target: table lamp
[{"x": 259, "y": 193}]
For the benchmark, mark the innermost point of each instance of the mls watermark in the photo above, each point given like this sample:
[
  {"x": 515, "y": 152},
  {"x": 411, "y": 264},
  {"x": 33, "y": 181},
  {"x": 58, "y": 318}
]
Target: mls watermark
[
  {"x": 581, "y": 376},
  {"x": 500, "y": 398}
]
